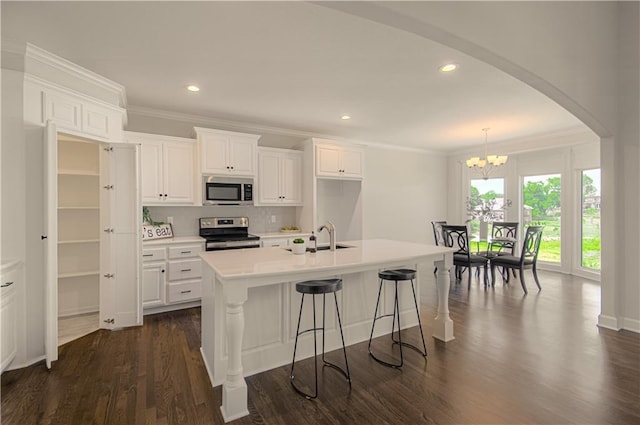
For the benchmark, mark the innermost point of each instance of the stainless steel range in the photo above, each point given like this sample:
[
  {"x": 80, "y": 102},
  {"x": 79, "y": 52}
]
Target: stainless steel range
[{"x": 227, "y": 233}]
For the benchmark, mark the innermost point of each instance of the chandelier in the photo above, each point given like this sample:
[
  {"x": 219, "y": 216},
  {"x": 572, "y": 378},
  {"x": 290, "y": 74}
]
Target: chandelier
[{"x": 487, "y": 164}]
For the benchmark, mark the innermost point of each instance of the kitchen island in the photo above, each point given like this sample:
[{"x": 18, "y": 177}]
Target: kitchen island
[{"x": 250, "y": 306}]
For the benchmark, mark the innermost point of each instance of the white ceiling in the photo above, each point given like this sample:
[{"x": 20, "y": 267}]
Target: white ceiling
[{"x": 290, "y": 65}]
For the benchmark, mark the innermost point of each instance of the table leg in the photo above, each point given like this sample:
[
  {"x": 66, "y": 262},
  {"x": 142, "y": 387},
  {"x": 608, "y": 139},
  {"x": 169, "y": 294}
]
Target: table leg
[
  {"x": 234, "y": 388},
  {"x": 443, "y": 325}
]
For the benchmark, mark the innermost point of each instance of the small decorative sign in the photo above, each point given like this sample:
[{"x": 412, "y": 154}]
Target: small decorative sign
[{"x": 158, "y": 231}]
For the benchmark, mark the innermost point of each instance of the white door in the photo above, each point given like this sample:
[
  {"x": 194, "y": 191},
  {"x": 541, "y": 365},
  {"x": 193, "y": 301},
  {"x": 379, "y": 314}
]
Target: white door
[
  {"x": 50, "y": 239},
  {"x": 352, "y": 163},
  {"x": 120, "y": 286},
  {"x": 178, "y": 173},
  {"x": 328, "y": 160},
  {"x": 153, "y": 276},
  {"x": 291, "y": 175},
  {"x": 215, "y": 155},
  {"x": 241, "y": 157},
  {"x": 151, "y": 165},
  {"x": 269, "y": 178}
]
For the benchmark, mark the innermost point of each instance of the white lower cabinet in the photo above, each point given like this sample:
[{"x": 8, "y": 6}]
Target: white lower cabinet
[
  {"x": 268, "y": 241},
  {"x": 11, "y": 279},
  {"x": 172, "y": 273}
]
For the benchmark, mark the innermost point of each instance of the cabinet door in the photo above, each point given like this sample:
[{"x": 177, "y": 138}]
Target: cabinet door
[
  {"x": 275, "y": 242},
  {"x": 242, "y": 157},
  {"x": 153, "y": 284},
  {"x": 178, "y": 173},
  {"x": 352, "y": 161},
  {"x": 120, "y": 287},
  {"x": 8, "y": 319},
  {"x": 291, "y": 178},
  {"x": 95, "y": 120},
  {"x": 328, "y": 161},
  {"x": 269, "y": 178},
  {"x": 215, "y": 154},
  {"x": 151, "y": 168},
  {"x": 64, "y": 111}
]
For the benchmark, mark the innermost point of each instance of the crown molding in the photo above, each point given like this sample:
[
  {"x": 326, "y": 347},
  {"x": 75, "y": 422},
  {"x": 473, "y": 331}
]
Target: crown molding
[
  {"x": 35, "y": 53},
  {"x": 260, "y": 129}
]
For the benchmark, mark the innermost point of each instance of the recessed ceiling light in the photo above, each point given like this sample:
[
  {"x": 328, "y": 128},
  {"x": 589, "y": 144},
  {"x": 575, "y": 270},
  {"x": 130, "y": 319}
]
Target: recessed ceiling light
[
  {"x": 345, "y": 117},
  {"x": 193, "y": 88},
  {"x": 449, "y": 67}
]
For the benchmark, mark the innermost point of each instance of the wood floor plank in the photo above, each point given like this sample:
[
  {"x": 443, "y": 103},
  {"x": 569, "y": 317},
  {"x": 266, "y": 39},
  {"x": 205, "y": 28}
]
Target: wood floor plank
[{"x": 538, "y": 358}]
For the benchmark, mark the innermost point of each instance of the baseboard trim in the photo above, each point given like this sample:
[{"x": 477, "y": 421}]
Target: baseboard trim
[
  {"x": 632, "y": 325},
  {"x": 172, "y": 307},
  {"x": 608, "y": 322}
]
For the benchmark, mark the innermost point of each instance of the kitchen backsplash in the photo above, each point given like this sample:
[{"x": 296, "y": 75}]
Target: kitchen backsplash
[{"x": 185, "y": 219}]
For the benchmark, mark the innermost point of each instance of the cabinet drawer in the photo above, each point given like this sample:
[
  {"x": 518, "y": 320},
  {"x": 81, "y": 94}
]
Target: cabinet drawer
[
  {"x": 178, "y": 292},
  {"x": 185, "y": 269},
  {"x": 275, "y": 242},
  {"x": 154, "y": 254},
  {"x": 184, "y": 251}
]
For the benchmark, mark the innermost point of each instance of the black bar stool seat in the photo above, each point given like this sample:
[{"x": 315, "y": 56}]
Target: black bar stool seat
[
  {"x": 313, "y": 287},
  {"x": 397, "y": 275}
]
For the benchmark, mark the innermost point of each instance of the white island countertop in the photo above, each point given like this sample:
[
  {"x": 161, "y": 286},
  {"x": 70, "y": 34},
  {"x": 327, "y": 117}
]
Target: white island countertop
[
  {"x": 231, "y": 276},
  {"x": 278, "y": 263}
]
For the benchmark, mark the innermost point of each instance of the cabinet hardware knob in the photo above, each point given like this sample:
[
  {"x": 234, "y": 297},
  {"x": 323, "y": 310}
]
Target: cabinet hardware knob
[
  {"x": 165, "y": 195},
  {"x": 185, "y": 270},
  {"x": 43, "y": 237},
  {"x": 232, "y": 167},
  {"x": 162, "y": 270},
  {"x": 185, "y": 292},
  {"x": 4, "y": 285},
  {"x": 147, "y": 255},
  {"x": 185, "y": 252}
]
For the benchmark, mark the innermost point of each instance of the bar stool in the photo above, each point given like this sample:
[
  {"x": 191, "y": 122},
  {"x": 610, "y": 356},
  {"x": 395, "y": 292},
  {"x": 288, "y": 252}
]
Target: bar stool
[
  {"x": 314, "y": 287},
  {"x": 396, "y": 276}
]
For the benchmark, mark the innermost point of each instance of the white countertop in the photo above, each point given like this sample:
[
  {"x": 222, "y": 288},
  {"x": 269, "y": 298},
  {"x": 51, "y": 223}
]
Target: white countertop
[
  {"x": 174, "y": 240},
  {"x": 274, "y": 262},
  {"x": 271, "y": 235}
]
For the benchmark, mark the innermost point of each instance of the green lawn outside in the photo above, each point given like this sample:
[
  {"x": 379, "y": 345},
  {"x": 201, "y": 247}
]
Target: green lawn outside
[{"x": 550, "y": 247}]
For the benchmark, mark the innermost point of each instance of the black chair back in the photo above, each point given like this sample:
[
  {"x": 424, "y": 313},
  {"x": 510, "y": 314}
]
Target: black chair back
[
  {"x": 531, "y": 244},
  {"x": 437, "y": 232},
  {"x": 503, "y": 229},
  {"x": 456, "y": 236}
]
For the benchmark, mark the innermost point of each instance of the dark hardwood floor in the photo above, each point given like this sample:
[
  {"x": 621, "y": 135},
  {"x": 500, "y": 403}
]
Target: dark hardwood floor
[{"x": 516, "y": 359}]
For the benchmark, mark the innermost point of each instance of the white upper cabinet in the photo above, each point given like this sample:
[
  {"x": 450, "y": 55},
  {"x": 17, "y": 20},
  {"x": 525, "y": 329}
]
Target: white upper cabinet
[
  {"x": 227, "y": 153},
  {"x": 279, "y": 177},
  {"x": 341, "y": 162},
  {"x": 72, "y": 112},
  {"x": 167, "y": 168}
]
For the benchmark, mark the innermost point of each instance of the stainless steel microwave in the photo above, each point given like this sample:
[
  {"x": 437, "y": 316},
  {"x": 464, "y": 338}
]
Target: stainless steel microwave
[{"x": 227, "y": 191}]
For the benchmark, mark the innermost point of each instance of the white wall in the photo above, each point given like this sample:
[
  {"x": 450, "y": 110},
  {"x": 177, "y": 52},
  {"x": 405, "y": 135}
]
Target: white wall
[{"x": 403, "y": 192}]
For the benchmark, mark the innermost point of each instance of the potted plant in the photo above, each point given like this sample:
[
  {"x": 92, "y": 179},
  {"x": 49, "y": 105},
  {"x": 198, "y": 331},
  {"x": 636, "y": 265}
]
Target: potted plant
[{"x": 299, "y": 246}]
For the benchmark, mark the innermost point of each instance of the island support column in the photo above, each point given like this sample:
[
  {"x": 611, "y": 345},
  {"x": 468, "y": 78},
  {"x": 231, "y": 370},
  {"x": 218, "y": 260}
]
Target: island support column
[
  {"x": 234, "y": 388},
  {"x": 443, "y": 325}
]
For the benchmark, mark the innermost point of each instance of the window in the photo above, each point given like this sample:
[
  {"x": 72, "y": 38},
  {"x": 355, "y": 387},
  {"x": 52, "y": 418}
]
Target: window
[
  {"x": 590, "y": 212},
  {"x": 486, "y": 204},
  {"x": 541, "y": 207}
]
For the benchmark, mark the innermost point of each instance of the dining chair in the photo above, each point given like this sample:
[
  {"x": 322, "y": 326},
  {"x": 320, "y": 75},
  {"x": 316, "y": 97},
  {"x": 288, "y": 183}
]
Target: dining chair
[
  {"x": 437, "y": 232},
  {"x": 437, "y": 236},
  {"x": 503, "y": 239},
  {"x": 528, "y": 258},
  {"x": 457, "y": 236}
]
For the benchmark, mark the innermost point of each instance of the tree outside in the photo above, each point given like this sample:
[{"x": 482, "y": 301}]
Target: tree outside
[
  {"x": 541, "y": 196},
  {"x": 590, "y": 255}
]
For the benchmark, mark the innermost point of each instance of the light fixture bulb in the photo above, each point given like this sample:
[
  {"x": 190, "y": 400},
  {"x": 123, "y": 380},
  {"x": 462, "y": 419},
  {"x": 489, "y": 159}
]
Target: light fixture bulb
[
  {"x": 193, "y": 88},
  {"x": 345, "y": 117},
  {"x": 449, "y": 67}
]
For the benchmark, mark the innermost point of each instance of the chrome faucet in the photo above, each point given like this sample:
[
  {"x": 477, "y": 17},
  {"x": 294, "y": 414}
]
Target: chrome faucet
[{"x": 332, "y": 234}]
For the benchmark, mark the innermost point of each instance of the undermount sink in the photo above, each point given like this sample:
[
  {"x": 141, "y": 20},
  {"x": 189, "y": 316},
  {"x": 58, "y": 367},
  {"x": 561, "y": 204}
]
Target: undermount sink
[{"x": 326, "y": 247}]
